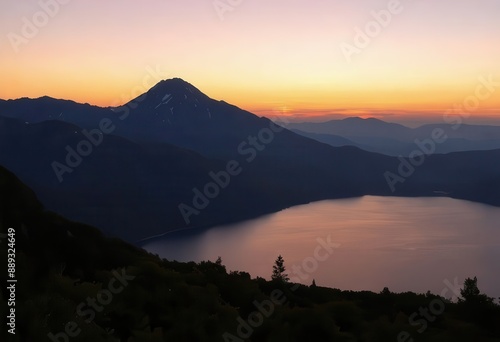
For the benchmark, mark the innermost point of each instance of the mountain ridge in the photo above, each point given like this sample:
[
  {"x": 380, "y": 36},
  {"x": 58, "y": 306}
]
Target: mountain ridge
[
  {"x": 397, "y": 140},
  {"x": 132, "y": 184}
]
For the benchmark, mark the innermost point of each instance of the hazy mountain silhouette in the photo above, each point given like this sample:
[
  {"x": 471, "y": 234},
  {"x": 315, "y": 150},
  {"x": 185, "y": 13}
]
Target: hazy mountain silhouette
[
  {"x": 393, "y": 139},
  {"x": 330, "y": 139},
  {"x": 356, "y": 127}
]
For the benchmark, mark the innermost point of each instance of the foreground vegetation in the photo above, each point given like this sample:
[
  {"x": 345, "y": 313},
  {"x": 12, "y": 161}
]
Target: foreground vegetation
[{"x": 74, "y": 284}]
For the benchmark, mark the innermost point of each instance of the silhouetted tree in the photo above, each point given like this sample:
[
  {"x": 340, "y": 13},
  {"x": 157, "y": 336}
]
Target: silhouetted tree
[
  {"x": 477, "y": 307},
  {"x": 279, "y": 270},
  {"x": 313, "y": 283},
  {"x": 471, "y": 294},
  {"x": 218, "y": 262}
]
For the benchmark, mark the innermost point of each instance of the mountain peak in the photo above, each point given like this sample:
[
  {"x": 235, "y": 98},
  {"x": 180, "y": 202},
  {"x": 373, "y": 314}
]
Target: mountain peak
[
  {"x": 359, "y": 119},
  {"x": 176, "y": 85},
  {"x": 174, "y": 88}
]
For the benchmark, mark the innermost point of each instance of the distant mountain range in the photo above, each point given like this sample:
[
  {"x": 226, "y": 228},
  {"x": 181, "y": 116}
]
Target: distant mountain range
[
  {"x": 173, "y": 158},
  {"x": 393, "y": 139}
]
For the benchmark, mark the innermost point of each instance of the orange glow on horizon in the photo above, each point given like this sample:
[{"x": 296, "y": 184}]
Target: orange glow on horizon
[
  {"x": 274, "y": 68},
  {"x": 290, "y": 106}
]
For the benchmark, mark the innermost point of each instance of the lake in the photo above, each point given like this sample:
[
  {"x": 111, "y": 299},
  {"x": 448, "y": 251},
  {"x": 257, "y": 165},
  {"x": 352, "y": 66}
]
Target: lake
[{"x": 406, "y": 244}]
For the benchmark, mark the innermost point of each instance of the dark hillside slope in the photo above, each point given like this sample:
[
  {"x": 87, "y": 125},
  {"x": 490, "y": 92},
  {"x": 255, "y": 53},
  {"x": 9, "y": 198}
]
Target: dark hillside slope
[{"x": 71, "y": 280}]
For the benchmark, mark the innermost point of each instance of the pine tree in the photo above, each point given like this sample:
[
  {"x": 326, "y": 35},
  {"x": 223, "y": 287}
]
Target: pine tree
[
  {"x": 279, "y": 270},
  {"x": 471, "y": 293}
]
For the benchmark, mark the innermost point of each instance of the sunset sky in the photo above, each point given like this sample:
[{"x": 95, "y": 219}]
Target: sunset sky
[{"x": 269, "y": 57}]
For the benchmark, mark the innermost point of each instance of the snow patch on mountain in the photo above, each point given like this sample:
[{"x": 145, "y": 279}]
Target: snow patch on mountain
[{"x": 166, "y": 99}]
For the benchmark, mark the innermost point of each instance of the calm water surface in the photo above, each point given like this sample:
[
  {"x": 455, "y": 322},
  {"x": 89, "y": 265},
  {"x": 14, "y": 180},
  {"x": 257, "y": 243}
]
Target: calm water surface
[{"x": 406, "y": 244}]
